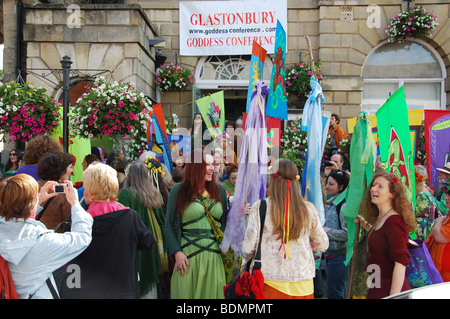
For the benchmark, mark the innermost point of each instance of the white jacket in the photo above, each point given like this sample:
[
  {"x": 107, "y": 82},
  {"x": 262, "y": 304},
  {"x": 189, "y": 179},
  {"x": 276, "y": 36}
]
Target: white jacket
[
  {"x": 274, "y": 266},
  {"x": 33, "y": 252}
]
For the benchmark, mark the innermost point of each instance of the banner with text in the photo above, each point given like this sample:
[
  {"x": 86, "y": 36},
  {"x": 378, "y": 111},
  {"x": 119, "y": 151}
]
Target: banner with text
[{"x": 229, "y": 27}]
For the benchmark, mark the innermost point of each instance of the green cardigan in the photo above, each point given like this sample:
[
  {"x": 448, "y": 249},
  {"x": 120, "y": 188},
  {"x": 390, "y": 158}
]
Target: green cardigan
[{"x": 172, "y": 230}]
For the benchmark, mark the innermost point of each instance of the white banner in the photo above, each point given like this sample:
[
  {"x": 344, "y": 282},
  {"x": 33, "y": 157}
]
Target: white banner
[{"x": 229, "y": 27}]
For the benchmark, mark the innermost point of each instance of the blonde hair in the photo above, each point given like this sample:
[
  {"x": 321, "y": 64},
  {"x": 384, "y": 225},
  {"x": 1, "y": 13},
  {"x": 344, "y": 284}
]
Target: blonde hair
[
  {"x": 299, "y": 214},
  {"x": 101, "y": 180},
  {"x": 18, "y": 196}
]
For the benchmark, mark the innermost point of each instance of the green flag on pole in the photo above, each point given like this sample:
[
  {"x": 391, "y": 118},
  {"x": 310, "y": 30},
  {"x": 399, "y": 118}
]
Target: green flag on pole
[
  {"x": 212, "y": 109},
  {"x": 362, "y": 163},
  {"x": 78, "y": 147},
  {"x": 395, "y": 141}
]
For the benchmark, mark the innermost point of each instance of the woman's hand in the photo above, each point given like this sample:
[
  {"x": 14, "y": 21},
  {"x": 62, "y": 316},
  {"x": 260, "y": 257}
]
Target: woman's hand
[
  {"x": 181, "y": 263},
  {"x": 71, "y": 193},
  {"x": 43, "y": 194},
  {"x": 247, "y": 209},
  {"x": 364, "y": 224}
]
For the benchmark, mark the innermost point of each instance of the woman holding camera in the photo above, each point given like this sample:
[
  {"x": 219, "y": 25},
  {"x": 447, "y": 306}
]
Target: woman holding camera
[
  {"x": 57, "y": 167},
  {"x": 33, "y": 253}
]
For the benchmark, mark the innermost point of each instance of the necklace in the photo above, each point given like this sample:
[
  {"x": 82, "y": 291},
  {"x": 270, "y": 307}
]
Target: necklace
[{"x": 380, "y": 219}]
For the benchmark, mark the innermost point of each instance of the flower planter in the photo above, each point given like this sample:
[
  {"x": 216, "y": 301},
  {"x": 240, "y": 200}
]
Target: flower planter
[
  {"x": 113, "y": 110},
  {"x": 411, "y": 24},
  {"x": 26, "y": 111}
]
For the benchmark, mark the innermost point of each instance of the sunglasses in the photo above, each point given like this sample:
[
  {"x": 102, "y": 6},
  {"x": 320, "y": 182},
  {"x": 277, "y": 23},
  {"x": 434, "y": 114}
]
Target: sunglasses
[{"x": 12, "y": 154}]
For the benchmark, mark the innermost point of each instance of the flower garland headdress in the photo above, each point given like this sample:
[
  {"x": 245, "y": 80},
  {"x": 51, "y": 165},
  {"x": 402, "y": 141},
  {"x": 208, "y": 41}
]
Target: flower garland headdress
[{"x": 153, "y": 171}]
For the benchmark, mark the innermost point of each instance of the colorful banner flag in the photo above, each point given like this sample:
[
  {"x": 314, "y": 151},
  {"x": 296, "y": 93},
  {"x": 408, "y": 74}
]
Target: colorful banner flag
[
  {"x": 212, "y": 109},
  {"x": 273, "y": 130},
  {"x": 395, "y": 141},
  {"x": 362, "y": 161},
  {"x": 415, "y": 118},
  {"x": 78, "y": 147},
  {"x": 437, "y": 142},
  {"x": 277, "y": 100},
  {"x": 256, "y": 69},
  {"x": 251, "y": 181},
  {"x": 161, "y": 145},
  {"x": 312, "y": 123}
]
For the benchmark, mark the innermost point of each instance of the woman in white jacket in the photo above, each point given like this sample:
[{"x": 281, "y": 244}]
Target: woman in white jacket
[
  {"x": 292, "y": 229},
  {"x": 32, "y": 251}
]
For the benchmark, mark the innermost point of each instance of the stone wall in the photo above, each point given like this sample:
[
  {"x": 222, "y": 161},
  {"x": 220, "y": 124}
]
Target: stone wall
[
  {"x": 111, "y": 39},
  {"x": 340, "y": 38}
]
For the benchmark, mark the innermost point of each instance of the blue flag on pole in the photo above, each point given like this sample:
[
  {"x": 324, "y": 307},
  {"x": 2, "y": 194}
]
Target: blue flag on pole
[
  {"x": 312, "y": 123},
  {"x": 277, "y": 100},
  {"x": 256, "y": 69}
]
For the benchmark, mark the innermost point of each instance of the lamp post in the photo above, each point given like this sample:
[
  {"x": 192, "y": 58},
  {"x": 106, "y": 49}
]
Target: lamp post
[{"x": 66, "y": 63}]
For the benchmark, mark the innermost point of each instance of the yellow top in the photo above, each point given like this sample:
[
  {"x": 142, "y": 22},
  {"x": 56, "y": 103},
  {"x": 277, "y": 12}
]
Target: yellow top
[{"x": 300, "y": 288}]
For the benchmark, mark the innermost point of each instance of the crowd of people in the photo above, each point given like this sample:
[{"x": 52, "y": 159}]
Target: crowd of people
[{"x": 139, "y": 230}]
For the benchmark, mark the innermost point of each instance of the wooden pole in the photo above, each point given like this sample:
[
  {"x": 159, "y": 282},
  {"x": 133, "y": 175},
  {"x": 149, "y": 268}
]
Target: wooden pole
[
  {"x": 353, "y": 267},
  {"x": 308, "y": 43}
]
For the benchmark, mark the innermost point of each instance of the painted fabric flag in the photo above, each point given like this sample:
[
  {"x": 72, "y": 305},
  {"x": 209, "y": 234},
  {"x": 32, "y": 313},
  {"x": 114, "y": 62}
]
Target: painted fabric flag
[
  {"x": 79, "y": 147},
  {"x": 273, "y": 131},
  {"x": 252, "y": 178},
  {"x": 212, "y": 109},
  {"x": 437, "y": 141},
  {"x": 256, "y": 69},
  {"x": 277, "y": 100},
  {"x": 313, "y": 126},
  {"x": 161, "y": 141},
  {"x": 362, "y": 161},
  {"x": 415, "y": 118},
  {"x": 395, "y": 141}
]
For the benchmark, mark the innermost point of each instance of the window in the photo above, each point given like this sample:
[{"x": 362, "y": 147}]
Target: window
[
  {"x": 415, "y": 65},
  {"x": 215, "y": 72}
]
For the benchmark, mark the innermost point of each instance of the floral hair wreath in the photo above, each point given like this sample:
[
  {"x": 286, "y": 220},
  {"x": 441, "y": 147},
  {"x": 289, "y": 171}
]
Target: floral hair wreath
[
  {"x": 275, "y": 175},
  {"x": 395, "y": 180},
  {"x": 152, "y": 167},
  {"x": 419, "y": 178}
]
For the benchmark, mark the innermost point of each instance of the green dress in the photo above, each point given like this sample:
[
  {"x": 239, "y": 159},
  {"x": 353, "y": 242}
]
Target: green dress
[{"x": 205, "y": 276}]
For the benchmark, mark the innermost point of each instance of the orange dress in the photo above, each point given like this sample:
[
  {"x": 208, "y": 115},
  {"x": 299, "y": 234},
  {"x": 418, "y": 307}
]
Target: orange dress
[{"x": 440, "y": 253}]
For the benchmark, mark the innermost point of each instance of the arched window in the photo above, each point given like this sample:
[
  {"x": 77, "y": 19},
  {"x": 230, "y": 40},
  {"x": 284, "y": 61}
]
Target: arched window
[
  {"x": 215, "y": 72},
  {"x": 416, "y": 65}
]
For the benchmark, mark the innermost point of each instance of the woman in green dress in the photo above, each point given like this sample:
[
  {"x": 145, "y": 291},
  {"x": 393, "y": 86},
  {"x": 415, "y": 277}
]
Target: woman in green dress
[
  {"x": 199, "y": 271},
  {"x": 139, "y": 194}
]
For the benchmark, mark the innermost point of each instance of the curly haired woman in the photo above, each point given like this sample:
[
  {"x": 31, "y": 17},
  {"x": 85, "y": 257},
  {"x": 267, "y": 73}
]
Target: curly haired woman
[
  {"x": 389, "y": 217},
  {"x": 35, "y": 149}
]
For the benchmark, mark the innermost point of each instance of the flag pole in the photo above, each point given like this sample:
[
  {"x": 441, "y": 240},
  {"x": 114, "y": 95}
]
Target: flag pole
[
  {"x": 308, "y": 43},
  {"x": 353, "y": 267}
]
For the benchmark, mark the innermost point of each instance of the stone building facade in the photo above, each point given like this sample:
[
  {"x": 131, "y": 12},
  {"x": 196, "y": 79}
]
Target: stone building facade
[{"x": 113, "y": 40}]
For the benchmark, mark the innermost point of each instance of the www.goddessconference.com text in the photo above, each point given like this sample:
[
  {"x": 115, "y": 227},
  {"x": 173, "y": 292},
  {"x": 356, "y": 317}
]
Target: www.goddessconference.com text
[{"x": 224, "y": 309}]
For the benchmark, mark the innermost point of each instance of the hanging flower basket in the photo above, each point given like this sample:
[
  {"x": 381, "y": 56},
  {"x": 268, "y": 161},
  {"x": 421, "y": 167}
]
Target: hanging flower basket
[
  {"x": 173, "y": 77},
  {"x": 26, "y": 111},
  {"x": 298, "y": 78},
  {"x": 411, "y": 23},
  {"x": 116, "y": 110}
]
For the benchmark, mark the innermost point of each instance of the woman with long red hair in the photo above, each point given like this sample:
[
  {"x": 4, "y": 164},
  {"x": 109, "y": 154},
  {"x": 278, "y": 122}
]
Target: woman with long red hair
[
  {"x": 199, "y": 271},
  {"x": 387, "y": 214}
]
